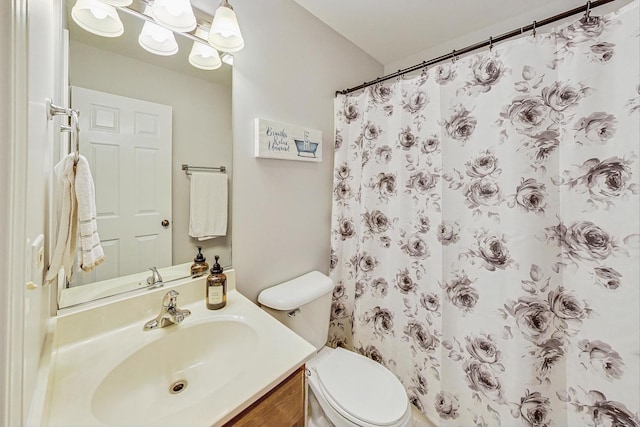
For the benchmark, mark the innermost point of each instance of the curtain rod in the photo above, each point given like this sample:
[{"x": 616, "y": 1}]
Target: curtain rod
[{"x": 489, "y": 42}]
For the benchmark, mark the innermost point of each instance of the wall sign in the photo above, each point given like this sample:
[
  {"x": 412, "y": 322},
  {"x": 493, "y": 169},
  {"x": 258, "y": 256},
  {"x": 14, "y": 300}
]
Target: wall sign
[{"x": 287, "y": 142}]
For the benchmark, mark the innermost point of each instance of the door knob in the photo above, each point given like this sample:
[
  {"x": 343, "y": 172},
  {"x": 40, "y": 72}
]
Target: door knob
[{"x": 165, "y": 223}]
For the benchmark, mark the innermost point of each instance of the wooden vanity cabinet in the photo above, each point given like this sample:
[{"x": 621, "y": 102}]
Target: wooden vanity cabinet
[{"x": 283, "y": 406}]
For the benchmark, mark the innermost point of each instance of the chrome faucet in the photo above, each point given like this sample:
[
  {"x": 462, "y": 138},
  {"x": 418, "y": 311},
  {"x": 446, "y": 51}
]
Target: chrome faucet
[
  {"x": 169, "y": 313},
  {"x": 155, "y": 280}
]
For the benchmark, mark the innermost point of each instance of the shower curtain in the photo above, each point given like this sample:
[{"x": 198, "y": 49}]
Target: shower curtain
[{"x": 485, "y": 229}]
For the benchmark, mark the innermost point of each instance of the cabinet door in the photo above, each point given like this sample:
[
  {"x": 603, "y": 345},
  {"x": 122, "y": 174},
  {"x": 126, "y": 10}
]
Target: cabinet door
[{"x": 283, "y": 406}]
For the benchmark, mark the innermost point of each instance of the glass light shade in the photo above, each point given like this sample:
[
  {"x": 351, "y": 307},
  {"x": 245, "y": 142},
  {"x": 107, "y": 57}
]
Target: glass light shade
[
  {"x": 157, "y": 40},
  {"x": 119, "y": 3},
  {"x": 203, "y": 56},
  {"x": 176, "y": 15},
  {"x": 97, "y": 17},
  {"x": 225, "y": 32}
]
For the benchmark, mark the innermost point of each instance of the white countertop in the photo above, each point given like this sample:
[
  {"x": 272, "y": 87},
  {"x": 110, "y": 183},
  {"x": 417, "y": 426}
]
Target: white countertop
[
  {"x": 92, "y": 291},
  {"x": 89, "y": 343}
]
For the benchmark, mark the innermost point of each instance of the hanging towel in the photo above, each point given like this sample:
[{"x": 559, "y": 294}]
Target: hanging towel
[
  {"x": 208, "y": 205},
  {"x": 90, "y": 254},
  {"x": 67, "y": 220}
]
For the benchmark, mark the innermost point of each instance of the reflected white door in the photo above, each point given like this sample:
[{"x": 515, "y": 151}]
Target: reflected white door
[{"x": 128, "y": 145}]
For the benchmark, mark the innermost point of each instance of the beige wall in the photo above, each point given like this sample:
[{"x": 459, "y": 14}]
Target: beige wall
[
  {"x": 289, "y": 70},
  {"x": 201, "y": 126}
]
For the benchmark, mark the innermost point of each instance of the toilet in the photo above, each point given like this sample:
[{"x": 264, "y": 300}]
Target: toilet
[{"x": 346, "y": 389}]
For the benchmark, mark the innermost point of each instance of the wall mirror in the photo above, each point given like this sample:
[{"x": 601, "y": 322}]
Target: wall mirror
[{"x": 200, "y": 133}]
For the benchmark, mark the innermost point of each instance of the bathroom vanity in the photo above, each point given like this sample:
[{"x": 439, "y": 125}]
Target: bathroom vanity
[
  {"x": 282, "y": 406},
  {"x": 225, "y": 367}
]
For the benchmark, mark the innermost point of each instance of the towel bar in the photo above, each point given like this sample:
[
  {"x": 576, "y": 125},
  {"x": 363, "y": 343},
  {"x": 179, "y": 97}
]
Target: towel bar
[
  {"x": 73, "y": 127},
  {"x": 188, "y": 168}
]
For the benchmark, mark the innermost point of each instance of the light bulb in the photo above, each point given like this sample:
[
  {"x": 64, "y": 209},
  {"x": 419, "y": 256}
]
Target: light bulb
[
  {"x": 118, "y": 3},
  {"x": 157, "y": 40},
  {"x": 176, "y": 15},
  {"x": 174, "y": 9},
  {"x": 158, "y": 35},
  {"x": 98, "y": 13},
  {"x": 203, "y": 56}
]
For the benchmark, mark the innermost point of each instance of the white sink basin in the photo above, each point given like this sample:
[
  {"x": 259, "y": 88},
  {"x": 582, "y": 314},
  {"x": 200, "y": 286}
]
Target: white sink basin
[
  {"x": 185, "y": 365},
  {"x": 107, "y": 371}
]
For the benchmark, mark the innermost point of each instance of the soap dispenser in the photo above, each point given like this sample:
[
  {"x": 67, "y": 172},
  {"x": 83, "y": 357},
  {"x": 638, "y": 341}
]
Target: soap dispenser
[
  {"x": 216, "y": 287},
  {"x": 199, "y": 266}
]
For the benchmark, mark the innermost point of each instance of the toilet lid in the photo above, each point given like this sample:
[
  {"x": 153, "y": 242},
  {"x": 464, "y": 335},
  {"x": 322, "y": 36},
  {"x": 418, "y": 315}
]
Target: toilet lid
[{"x": 362, "y": 389}]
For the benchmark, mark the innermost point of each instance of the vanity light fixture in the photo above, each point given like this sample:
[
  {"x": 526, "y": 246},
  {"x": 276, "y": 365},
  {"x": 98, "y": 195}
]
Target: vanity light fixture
[
  {"x": 118, "y": 3},
  {"x": 97, "y": 17},
  {"x": 203, "y": 56},
  {"x": 225, "y": 32},
  {"x": 157, "y": 40},
  {"x": 162, "y": 19},
  {"x": 175, "y": 15},
  {"x": 227, "y": 58}
]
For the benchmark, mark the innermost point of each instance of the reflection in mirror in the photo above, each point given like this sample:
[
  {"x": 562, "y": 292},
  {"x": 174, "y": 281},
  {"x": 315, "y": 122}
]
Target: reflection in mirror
[{"x": 127, "y": 97}]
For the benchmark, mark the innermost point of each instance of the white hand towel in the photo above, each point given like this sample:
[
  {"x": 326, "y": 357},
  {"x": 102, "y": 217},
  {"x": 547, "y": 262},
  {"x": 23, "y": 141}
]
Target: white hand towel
[
  {"x": 67, "y": 220},
  {"x": 91, "y": 253},
  {"x": 208, "y": 205}
]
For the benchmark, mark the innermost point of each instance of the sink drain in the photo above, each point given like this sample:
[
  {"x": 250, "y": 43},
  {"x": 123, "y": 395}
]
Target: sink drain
[{"x": 178, "y": 387}]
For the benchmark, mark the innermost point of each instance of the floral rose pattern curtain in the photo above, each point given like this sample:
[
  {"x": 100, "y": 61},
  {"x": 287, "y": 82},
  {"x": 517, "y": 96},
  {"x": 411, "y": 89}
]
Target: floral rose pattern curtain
[{"x": 485, "y": 230}]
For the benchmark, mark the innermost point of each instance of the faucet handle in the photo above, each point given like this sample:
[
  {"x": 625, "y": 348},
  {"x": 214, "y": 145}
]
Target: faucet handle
[
  {"x": 170, "y": 298},
  {"x": 155, "y": 280},
  {"x": 180, "y": 315}
]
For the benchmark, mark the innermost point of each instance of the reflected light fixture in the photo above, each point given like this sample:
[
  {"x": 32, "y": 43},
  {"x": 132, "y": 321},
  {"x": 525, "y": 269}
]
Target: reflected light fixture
[
  {"x": 97, "y": 17},
  {"x": 176, "y": 15},
  {"x": 118, "y": 3},
  {"x": 227, "y": 58},
  {"x": 203, "y": 56},
  {"x": 157, "y": 40},
  {"x": 225, "y": 32}
]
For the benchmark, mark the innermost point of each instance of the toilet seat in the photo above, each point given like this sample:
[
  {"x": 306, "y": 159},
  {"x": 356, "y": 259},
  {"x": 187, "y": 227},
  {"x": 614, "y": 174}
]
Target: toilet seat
[{"x": 361, "y": 390}]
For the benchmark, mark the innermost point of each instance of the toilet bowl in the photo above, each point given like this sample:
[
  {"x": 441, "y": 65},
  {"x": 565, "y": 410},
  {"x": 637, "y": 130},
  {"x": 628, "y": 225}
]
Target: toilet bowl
[
  {"x": 346, "y": 389},
  {"x": 352, "y": 390}
]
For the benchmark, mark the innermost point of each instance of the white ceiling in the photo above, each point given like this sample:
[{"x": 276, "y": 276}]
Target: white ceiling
[{"x": 392, "y": 30}]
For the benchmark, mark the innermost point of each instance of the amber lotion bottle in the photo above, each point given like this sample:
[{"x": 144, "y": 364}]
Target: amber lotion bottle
[
  {"x": 216, "y": 287},
  {"x": 199, "y": 266}
]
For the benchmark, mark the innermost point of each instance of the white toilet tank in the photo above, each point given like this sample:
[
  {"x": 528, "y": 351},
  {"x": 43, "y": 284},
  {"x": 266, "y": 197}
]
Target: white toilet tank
[{"x": 303, "y": 305}]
